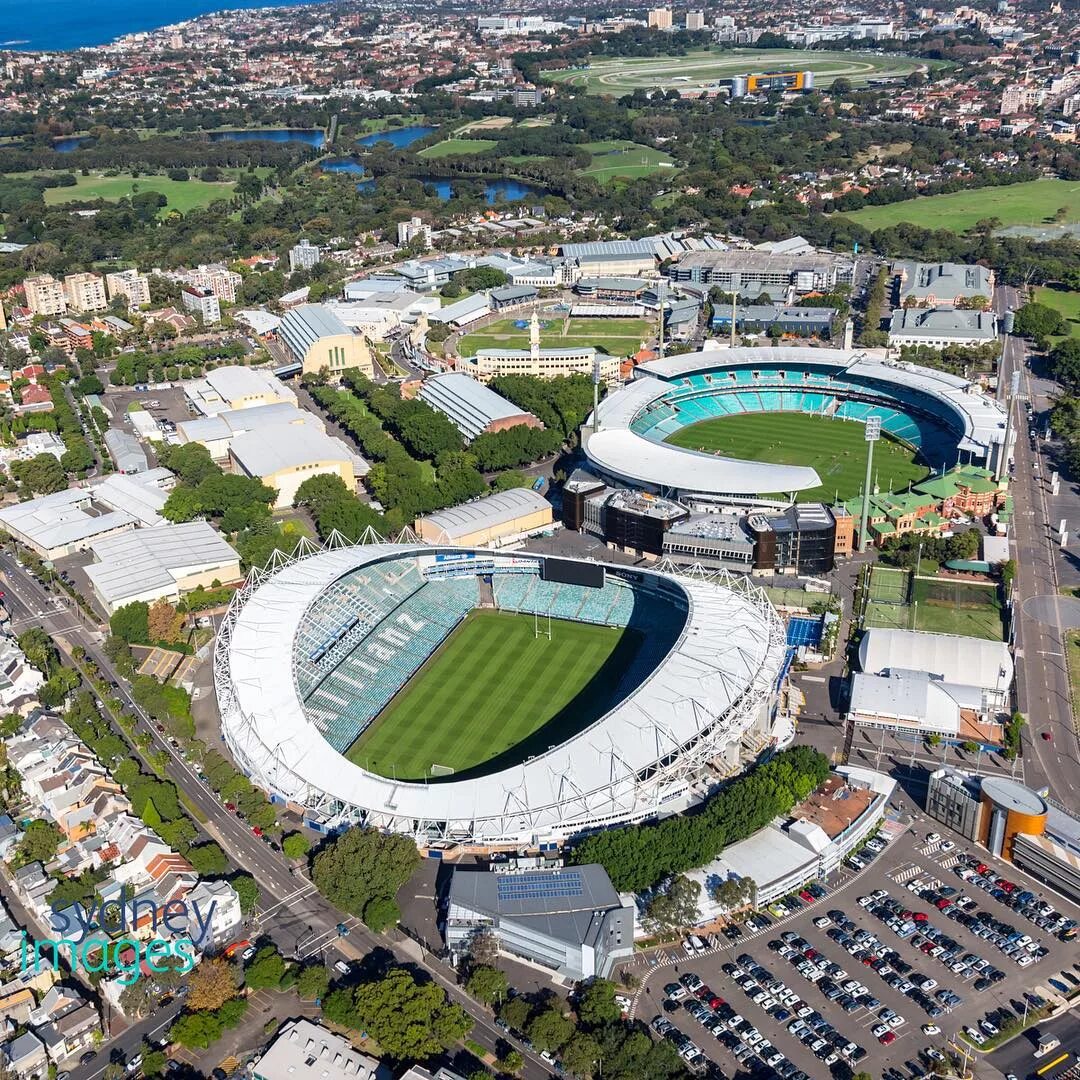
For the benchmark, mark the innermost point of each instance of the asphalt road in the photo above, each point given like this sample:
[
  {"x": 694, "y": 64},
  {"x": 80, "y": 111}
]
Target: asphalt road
[
  {"x": 1042, "y": 677},
  {"x": 292, "y": 912}
]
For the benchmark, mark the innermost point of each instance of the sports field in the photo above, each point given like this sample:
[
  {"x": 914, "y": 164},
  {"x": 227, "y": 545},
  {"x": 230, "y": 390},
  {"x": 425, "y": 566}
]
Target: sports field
[
  {"x": 835, "y": 448},
  {"x": 701, "y": 68},
  {"x": 616, "y": 337},
  {"x": 941, "y": 605},
  {"x": 449, "y": 147},
  {"x": 619, "y": 159},
  {"x": 495, "y": 694},
  {"x": 183, "y": 195},
  {"x": 1030, "y": 203}
]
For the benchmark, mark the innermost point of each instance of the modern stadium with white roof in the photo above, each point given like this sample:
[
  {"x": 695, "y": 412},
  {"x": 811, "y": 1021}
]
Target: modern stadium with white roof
[
  {"x": 941, "y": 416},
  {"x": 315, "y": 648}
]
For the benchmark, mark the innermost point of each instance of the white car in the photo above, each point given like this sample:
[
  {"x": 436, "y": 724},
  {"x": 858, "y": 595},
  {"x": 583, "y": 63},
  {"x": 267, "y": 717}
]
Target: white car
[
  {"x": 931, "y": 1029},
  {"x": 822, "y": 921},
  {"x": 991, "y": 1029},
  {"x": 933, "y": 838},
  {"x": 879, "y": 1030},
  {"x": 947, "y": 845},
  {"x": 975, "y": 1036},
  {"x": 897, "y": 1021}
]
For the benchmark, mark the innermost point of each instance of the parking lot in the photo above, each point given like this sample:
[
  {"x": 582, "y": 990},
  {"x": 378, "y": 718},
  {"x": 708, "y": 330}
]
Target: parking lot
[{"x": 842, "y": 986}]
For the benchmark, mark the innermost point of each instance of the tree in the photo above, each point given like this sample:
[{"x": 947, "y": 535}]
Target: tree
[
  {"x": 211, "y": 984},
  {"x": 40, "y": 841},
  {"x": 483, "y": 948},
  {"x": 361, "y": 865},
  {"x": 247, "y": 889},
  {"x": 42, "y": 474},
  {"x": 130, "y": 623},
  {"x": 1035, "y": 320},
  {"x": 266, "y": 969},
  {"x": 409, "y": 1020},
  {"x": 208, "y": 859},
  {"x": 597, "y": 1005},
  {"x": 196, "y": 1030},
  {"x": 163, "y": 622},
  {"x": 487, "y": 984},
  {"x": 39, "y": 650},
  {"x": 676, "y": 906},
  {"x": 513, "y": 1061},
  {"x": 295, "y": 846},
  {"x": 313, "y": 982},
  {"x": 550, "y": 1030},
  {"x": 515, "y": 1013},
  {"x": 381, "y": 912},
  {"x": 581, "y": 1054}
]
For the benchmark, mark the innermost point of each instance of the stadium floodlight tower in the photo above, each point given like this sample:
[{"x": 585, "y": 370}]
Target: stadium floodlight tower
[{"x": 872, "y": 434}]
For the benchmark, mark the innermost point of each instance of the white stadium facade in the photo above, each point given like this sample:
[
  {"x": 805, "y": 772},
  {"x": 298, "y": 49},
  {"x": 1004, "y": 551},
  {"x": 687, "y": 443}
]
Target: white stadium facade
[
  {"x": 313, "y": 648},
  {"x": 944, "y": 417}
]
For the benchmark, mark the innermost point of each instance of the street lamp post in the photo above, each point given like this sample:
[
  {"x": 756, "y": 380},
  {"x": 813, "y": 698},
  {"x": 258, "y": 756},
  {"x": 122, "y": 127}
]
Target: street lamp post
[{"x": 872, "y": 434}]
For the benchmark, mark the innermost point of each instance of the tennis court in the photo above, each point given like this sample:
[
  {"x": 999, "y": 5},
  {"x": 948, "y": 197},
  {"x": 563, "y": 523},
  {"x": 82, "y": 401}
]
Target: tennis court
[{"x": 889, "y": 585}]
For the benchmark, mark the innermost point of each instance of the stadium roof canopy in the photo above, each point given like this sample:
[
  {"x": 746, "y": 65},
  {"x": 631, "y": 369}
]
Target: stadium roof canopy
[
  {"x": 636, "y": 761},
  {"x": 617, "y": 451}
]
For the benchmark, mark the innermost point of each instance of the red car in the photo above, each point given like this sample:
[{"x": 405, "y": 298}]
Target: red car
[
  {"x": 982, "y": 868},
  {"x": 1048, "y": 736},
  {"x": 230, "y": 806},
  {"x": 715, "y": 1002},
  {"x": 807, "y": 896},
  {"x": 811, "y": 954},
  {"x": 943, "y": 905},
  {"x": 919, "y": 916},
  {"x": 926, "y": 946},
  {"x": 888, "y": 1038},
  {"x": 1008, "y": 886},
  {"x": 256, "y": 830}
]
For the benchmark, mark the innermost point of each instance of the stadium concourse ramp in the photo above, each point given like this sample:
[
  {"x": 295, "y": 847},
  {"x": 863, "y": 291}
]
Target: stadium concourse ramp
[{"x": 310, "y": 650}]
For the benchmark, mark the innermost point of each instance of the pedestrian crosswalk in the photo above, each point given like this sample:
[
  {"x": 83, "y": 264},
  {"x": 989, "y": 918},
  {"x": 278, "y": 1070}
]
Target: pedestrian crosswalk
[{"x": 905, "y": 873}]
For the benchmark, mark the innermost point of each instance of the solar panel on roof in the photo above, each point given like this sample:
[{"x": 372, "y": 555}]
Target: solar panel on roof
[{"x": 541, "y": 886}]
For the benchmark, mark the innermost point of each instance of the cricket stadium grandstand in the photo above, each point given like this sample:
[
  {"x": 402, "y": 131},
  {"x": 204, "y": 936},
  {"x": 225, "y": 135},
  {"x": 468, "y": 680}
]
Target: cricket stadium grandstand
[
  {"x": 344, "y": 674},
  {"x": 940, "y": 417}
]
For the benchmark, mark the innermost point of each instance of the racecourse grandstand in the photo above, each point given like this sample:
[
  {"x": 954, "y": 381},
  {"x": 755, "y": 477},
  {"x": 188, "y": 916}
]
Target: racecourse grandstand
[{"x": 940, "y": 416}]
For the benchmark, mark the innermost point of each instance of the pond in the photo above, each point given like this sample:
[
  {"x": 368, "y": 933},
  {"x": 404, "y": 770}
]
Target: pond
[
  {"x": 71, "y": 142},
  {"x": 342, "y": 165},
  {"x": 508, "y": 190},
  {"x": 311, "y": 136},
  {"x": 399, "y": 138}
]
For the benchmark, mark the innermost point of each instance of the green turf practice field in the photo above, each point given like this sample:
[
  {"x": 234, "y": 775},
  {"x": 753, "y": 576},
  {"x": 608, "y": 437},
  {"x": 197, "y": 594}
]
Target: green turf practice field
[
  {"x": 1030, "y": 203},
  {"x": 495, "y": 694},
  {"x": 619, "y": 159},
  {"x": 616, "y": 337},
  {"x": 889, "y": 584},
  {"x": 448, "y": 147},
  {"x": 1065, "y": 301},
  {"x": 183, "y": 195},
  {"x": 951, "y": 606},
  {"x": 835, "y": 448},
  {"x": 701, "y": 68}
]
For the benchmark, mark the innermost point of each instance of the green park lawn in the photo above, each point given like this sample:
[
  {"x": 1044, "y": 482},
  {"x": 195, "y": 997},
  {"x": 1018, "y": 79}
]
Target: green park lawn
[
  {"x": 494, "y": 693},
  {"x": 619, "y": 159},
  {"x": 183, "y": 195},
  {"x": 1065, "y": 301},
  {"x": 616, "y": 337},
  {"x": 836, "y": 449},
  {"x": 1032, "y": 203},
  {"x": 449, "y": 147}
]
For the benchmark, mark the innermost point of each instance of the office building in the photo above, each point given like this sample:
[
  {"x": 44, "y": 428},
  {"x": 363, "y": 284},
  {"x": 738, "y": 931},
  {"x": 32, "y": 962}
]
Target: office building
[
  {"x": 45, "y": 295},
  {"x": 776, "y": 318},
  {"x": 130, "y": 284},
  {"x": 304, "y": 1050},
  {"x": 316, "y": 339},
  {"x": 751, "y": 273},
  {"x": 413, "y": 229},
  {"x": 695, "y": 20},
  {"x": 200, "y": 301},
  {"x": 85, "y": 292},
  {"x": 571, "y": 921},
  {"x": 1012, "y": 822},
  {"x": 660, "y": 18},
  {"x": 304, "y": 256}
]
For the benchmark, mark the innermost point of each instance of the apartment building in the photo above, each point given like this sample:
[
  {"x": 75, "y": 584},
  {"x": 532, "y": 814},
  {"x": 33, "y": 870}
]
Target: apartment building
[
  {"x": 304, "y": 256},
  {"x": 220, "y": 280},
  {"x": 660, "y": 18},
  {"x": 85, "y": 292},
  {"x": 201, "y": 301},
  {"x": 130, "y": 284},
  {"x": 45, "y": 295},
  {"x": 414, "y": 228}
]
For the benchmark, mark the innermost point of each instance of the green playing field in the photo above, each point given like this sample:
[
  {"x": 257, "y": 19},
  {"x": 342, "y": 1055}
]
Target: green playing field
[
  {"x": 494, "y": 694},
  {"x": 616, "y": 337},
  {"x": 835, "y": 448}
]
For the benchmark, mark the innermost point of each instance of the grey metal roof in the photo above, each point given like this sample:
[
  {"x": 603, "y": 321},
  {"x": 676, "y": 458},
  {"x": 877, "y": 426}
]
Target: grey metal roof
[
  {"x": 134, "y": 562},
  {"x": 302, "y": 327},
  {"x": 487, "y": 512},
  {"x": 270, "y": 449},
  {"x": 126, "y": 452},
  {"x": 611, "y": 249},
  {"x": 471, "y": 405},
  {"x": 944, "y": 281},
  {"x": 954, "y": 659},
  {"x": 471, "y": 305},
  {"x": 944, "y": 322}
]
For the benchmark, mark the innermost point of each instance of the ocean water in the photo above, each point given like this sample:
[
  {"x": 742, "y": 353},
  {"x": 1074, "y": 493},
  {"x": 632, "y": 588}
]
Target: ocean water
[{"x": 70, "y": 24}]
